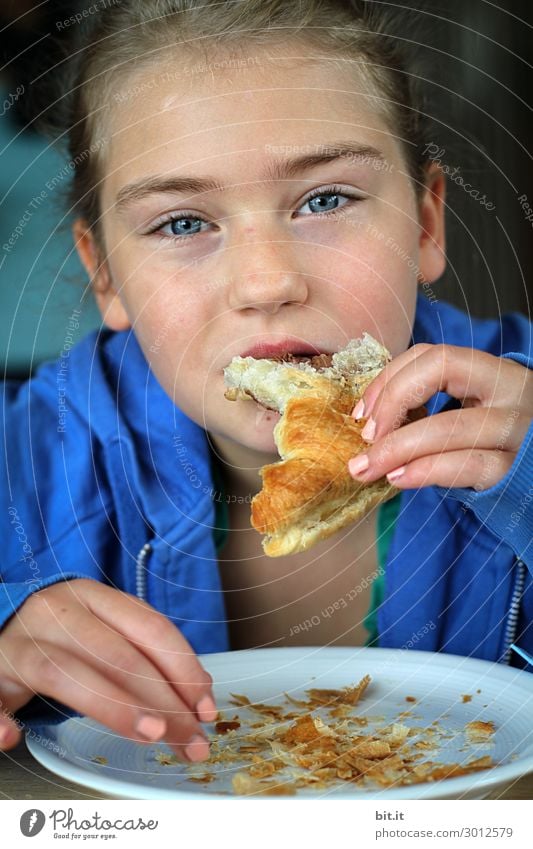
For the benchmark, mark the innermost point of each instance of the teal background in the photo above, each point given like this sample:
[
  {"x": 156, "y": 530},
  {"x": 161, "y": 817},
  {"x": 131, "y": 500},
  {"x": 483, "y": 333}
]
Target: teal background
[{"x": 41, "y": 278}]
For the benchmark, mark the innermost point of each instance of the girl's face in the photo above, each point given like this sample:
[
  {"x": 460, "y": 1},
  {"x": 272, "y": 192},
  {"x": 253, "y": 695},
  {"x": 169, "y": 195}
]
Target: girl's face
[{"x": 257, "y": 201}]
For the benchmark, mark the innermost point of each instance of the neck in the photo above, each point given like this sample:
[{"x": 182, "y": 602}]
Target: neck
[{"x": 240, "y": 465}]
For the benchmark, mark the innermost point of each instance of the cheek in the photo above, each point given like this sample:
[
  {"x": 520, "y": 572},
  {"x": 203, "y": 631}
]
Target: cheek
[
  {"x": 163, "y": 329},
  {"x": 375, "y": 289},
  {"x": 393, "y": 295},
  {"x": 171, "y": 331}
]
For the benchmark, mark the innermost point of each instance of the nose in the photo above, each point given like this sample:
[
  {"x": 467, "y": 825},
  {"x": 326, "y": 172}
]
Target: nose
[{"x": 265, "y": 274}]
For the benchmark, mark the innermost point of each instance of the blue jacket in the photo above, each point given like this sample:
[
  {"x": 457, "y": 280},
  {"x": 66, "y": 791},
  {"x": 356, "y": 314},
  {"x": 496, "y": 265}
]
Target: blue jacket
[{"x": 101, "y": 476}]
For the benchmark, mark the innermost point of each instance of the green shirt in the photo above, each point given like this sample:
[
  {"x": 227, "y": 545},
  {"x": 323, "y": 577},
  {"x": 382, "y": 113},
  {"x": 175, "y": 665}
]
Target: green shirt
[{"x": 386, "y": 521}]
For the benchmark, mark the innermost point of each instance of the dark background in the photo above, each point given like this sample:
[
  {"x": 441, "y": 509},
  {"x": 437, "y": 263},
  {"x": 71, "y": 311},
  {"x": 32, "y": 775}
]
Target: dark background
[
  {"x": 480, "y": 91},
  {"x": 476, "y": 58}
]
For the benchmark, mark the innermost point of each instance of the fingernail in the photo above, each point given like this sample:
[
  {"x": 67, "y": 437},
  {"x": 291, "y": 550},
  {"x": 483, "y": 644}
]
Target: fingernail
[
  {"x": 369, "y": 431},
  {"x": 197, "y": 749},
  {"x": 206, "y": 709},
  {"x": 358, "y": 464},
  {"x": 4, "y": 734},
  {"x": 151, "y": 727},
  {"x": 395, "y": 474},
  {"x": 359, "y": 410}
]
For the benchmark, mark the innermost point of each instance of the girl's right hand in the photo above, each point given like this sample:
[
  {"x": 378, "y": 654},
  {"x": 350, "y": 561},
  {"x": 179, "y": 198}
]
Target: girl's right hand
[{"x": 110, "y": 656}]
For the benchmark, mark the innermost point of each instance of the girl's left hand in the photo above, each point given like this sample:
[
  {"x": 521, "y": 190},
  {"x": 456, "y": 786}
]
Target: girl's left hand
[{"x": 474, "y": 446}]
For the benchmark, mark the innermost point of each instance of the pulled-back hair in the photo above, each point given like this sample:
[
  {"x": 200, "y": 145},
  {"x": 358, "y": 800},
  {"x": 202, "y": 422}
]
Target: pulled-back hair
[{"x": 124, "y": 35}]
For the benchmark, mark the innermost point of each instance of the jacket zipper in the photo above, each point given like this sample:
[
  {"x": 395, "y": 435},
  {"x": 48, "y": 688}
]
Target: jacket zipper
[
  {"x": 140, "y": 570},
  {"x": 514, "y": 610}
]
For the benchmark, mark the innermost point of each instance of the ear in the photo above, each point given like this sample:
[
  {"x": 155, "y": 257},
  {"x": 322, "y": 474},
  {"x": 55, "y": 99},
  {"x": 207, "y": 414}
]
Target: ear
[
  {"x": 432, "y": 243},
  {"x": 106, "y": 296}
]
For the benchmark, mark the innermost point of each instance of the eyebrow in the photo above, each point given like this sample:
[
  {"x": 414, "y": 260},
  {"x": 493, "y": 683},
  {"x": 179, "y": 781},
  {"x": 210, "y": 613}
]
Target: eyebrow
[{"x": 281, "y": 169}]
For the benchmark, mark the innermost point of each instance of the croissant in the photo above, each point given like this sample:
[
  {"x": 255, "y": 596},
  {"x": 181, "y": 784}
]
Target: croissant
[{"x": 310, "y": 495}]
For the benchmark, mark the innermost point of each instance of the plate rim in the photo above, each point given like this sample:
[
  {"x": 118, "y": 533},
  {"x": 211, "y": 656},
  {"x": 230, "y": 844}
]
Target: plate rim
[{"x": 493, "y": 778}]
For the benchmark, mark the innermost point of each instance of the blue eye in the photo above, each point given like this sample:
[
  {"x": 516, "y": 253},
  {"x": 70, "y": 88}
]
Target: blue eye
[
  {"x": 183, "y": 226},
  {"x": 330, "y": 199},
  {"x": 323, "y": 203},
  {"x": 178, "y": 228}
]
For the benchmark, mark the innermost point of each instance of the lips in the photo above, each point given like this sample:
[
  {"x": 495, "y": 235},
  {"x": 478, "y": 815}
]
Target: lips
[{"x": 281, "y": 350}]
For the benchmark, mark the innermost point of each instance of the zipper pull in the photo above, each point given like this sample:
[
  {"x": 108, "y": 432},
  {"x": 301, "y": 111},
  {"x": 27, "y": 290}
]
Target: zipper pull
[{"x": 140, "y": 570}]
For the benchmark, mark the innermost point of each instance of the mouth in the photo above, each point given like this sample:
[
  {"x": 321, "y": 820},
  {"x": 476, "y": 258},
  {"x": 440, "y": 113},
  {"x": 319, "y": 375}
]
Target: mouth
[{"x": 289, "y": 351}]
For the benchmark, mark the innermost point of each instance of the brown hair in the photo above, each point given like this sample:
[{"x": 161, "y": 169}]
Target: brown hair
[{"x": 124, "y": 34}]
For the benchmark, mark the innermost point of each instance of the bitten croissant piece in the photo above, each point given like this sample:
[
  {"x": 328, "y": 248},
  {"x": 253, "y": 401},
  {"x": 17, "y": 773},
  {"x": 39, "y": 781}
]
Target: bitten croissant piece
[{"x": 310, "y": 495}]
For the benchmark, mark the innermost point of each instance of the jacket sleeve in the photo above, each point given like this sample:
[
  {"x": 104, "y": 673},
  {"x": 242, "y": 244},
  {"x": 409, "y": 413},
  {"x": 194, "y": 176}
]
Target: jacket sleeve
[
  {"x": 507, "y": 508},
  {"x": 58, "y": 508},
  {"x": 51, "y": 507}
]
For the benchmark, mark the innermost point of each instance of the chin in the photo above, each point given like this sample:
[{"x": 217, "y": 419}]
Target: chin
[
  {"x": 259, "y": 432},
  {"x": 253, "y": 426}
]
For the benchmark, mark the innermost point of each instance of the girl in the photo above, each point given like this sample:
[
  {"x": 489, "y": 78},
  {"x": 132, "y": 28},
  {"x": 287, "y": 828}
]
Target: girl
[{"x": 249, "y": 177}]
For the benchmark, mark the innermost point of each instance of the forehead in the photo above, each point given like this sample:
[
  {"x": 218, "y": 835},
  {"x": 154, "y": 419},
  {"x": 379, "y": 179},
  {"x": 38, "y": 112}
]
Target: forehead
[{"x": 232, "y": 115}]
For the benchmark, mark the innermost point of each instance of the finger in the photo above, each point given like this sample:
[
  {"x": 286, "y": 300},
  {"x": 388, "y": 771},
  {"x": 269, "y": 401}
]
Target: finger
[
  {"x": 158, "y": 639},
  {"x": 472, "y": 428},
  {"x": 461, "y": 372},
  {"x": 126, "y": 666},
  {"x": 115, "y": 657},
  {"x": 474, "y": 468},
  {"x": 366, "y": 404},
  {"x": 12, "y": 696},
  {"x": 54, "y": 672},
  {"x": 9, "y": 730}
]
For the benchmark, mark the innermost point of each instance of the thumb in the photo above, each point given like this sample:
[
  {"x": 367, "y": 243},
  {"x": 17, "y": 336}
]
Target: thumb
[
  {"x": 12, "y": 697},
  {"x": 9, "y": 732},
  {"x": 14, "y": 692}
]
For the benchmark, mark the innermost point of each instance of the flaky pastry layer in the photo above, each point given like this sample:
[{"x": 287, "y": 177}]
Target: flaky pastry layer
[{"x": 310, "y": 495}]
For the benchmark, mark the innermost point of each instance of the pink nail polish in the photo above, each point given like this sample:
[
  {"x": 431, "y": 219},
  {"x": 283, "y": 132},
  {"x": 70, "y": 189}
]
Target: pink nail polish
[
  {"x": 359, "y": 410},
  {"x": 369, "y": 431},
  {"x": 197, "y": 749},
  {"x": 395, "y": 474},
  {"x": 206, "y": 709},
  {"x": 151, "y": 727},
  {"x": 358, "y": 464}
]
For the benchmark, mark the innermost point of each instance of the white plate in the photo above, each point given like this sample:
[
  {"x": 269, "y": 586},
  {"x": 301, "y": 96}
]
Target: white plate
[{"x": 437, "y": 681}]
